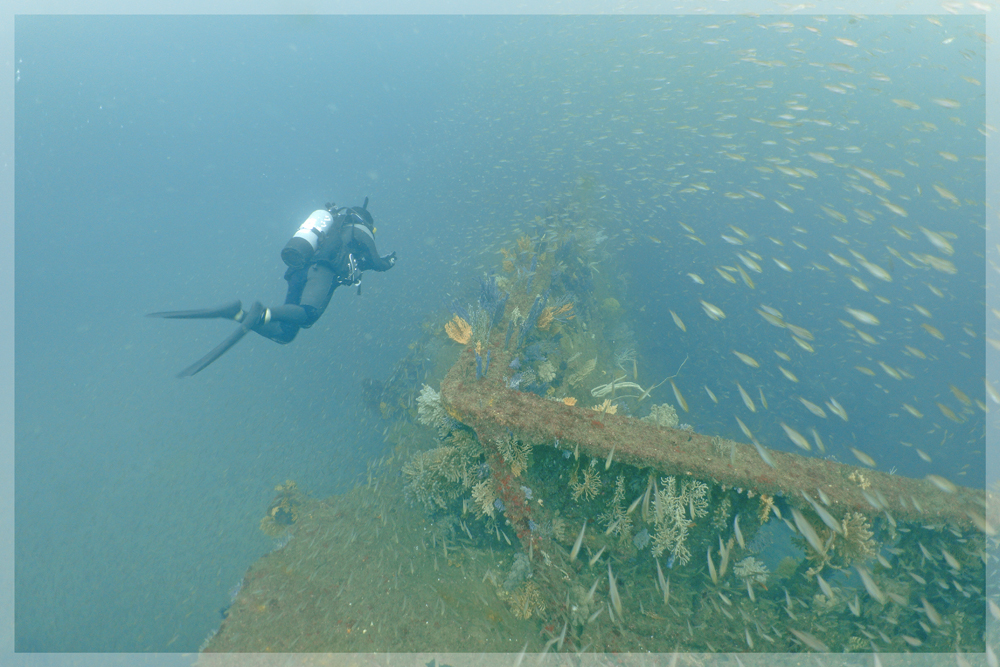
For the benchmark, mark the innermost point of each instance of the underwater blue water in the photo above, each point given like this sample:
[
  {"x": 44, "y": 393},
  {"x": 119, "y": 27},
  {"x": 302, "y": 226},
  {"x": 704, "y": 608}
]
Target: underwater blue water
[{"x": 163, "y": 162}]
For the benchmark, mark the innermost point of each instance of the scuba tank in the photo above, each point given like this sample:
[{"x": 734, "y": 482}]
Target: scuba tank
[{"x": 300, "y": 248}]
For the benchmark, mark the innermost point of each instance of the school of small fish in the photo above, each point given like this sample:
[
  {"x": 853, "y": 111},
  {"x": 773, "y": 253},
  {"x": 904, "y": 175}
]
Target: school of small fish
[
  {"x": 827, "y": 212},
  {"x": 814, "y": 244}
]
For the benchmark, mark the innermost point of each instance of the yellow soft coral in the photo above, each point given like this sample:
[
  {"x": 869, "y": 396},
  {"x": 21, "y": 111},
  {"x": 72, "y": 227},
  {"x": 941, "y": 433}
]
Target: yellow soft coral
[
  {"x": 545, "y": 318},
  {"x": 458, "y": 330},
  {"x": 549, "y": 314},
  {"x": 606, "y": 407}
]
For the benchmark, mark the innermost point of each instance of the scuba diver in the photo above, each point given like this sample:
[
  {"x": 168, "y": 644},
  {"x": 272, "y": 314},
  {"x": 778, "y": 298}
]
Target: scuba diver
[{"x": 331, "y": 248}]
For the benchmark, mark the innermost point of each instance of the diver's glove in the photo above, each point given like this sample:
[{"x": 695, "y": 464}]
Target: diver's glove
[{"x": 391, "y": 258}]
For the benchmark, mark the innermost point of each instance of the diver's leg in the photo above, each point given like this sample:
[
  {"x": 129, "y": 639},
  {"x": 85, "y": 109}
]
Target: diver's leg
[
  {"x": 317, "y": 292},
  {"x": 229, "y": 311},
  {"x": 280, "y": 323},
  {"x": 307, "y": 298}
]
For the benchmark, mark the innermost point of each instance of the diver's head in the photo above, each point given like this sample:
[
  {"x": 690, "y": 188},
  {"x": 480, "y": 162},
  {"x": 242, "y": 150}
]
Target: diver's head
[{"x": 360, "y": 215}]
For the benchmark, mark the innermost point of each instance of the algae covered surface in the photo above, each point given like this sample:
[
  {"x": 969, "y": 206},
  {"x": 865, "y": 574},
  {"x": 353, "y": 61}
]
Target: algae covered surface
[{"x": 367, "y": 572}]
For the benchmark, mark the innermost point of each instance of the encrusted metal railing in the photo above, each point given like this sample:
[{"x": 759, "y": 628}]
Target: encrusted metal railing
[{"x": 492, "y": 409}]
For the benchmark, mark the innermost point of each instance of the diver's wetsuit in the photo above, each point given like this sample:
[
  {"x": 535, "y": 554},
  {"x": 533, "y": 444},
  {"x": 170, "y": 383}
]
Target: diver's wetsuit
[{"x": 310, "y": 287}]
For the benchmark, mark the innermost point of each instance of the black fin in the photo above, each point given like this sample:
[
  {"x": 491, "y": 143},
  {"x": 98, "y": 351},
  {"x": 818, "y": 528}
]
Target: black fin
[
  {"x": 227, "y": 312},
  {"x": 249, "y": 321},
  {"x": 222, "y": 348}
]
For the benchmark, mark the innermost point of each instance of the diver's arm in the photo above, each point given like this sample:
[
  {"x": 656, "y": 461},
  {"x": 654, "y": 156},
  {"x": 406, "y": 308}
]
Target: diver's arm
[
  {"x": 382, "y": 263},
  {"x": 370, "y": 258}
]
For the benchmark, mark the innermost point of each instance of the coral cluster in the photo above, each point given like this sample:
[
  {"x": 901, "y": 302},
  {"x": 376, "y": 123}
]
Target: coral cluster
[
  {"x": 859, "y": 478},
  {"x": 584, "y": 369},
  {"x": 514, "y": 452},
  {"x": 430, "y": 412},
  {"x": 556, "y": 528},
  {"x": 484, "y": 497},
  {"x": 480, "y": 324},
  {"x": 766, "y": 505},
  {"x": 522, "y": 380},
  {"x": 551, "y": 313},
  {"x": 606, "y": 407},
  {"x": 458, "y": 330},
  {"x": 751, "y": 569},
  {"x": 853, "y": 543},
  {"x": 546, "y": 372},
  {"x": 857, "y": 542},
  {"x": 532, "y": 318},
  {"x": 427, "y": 475},
  {"x": 720, "y": 517},
  {"x": 589, "y": 487},
  {"x": 437, "y": 476},
  {"x": 545, "y": 318},
  {"x": 663, "y": 415},
  {"x": 519, "y": 591},
  {"x": 616, "y": 519},
  {"x": 525, "y": 601},
  {"x": 492, "y": 300},
  {"x": 671, "y": 519},
  {"x": 719, "y": 444}
]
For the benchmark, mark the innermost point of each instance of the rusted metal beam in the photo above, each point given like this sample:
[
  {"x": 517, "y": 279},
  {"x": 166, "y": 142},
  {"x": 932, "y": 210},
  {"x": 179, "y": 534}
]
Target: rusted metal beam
[{"x": 489, "y": 407}]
